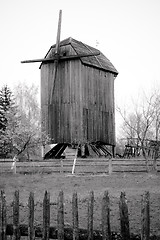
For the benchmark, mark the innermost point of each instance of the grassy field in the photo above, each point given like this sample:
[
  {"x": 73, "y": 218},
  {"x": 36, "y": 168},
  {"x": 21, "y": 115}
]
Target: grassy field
[{"x": 133, "y": 184}]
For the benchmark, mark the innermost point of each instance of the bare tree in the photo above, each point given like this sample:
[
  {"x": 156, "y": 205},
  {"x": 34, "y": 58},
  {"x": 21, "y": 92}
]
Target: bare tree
[
  {"x": 143, "y": 123},
  {"x": 155, "y": 144}
]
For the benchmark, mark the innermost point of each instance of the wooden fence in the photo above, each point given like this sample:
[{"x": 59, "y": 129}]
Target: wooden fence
[
  {"x": 16, "y": 230},
  {"x": 87, "y": 166}
]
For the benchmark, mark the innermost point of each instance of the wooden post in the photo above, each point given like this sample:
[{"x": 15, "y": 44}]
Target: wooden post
[
  {"x": 46, "y": 216},
  {"x": 145, "y": 217},
  {"x": 3, "y": 218},
  {"x": 113, "y": 151},
  {"x": 90, "y": 215},
  {"x": 60, "y": 216},
  {"x": 124, "y": 218},
  {"x": 16, "y": 230},
  {"x": 110, "y": 166},
  {"x": 61, "y": 168},
  {"x": 31, "y": 231},
  {"x": 42, "y": 150},
  {"x": 13, "y": 167},
  {"x": 74, "y": 164},
  {"x": 106, "y": 229},
  {"x": 75, "y": 216},
  {"x": 83, "y": 150},
  {"x": 75, "y": 159}
]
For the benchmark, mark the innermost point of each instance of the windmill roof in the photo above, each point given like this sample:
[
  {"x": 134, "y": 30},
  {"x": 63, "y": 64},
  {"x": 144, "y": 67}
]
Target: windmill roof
[{"x": 99, "y": 61}]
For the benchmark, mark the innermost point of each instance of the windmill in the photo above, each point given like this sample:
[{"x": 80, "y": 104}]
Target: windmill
[
  {"x": 77, "y": 96},
  {"x": 57, "y": 57}
]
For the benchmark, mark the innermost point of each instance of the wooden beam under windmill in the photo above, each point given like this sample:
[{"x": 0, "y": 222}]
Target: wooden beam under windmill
[{"x": 77, "y": 96}]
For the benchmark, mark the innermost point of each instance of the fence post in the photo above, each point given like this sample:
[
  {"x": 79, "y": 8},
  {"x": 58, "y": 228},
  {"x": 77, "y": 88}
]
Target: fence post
[
  {"x": 145, "y": 217},
  {"x": 16, "y": 230},
  {"x": 31, "y": 232},
  {"x": 124, "y": 218},
  {"x": 106, "y": 229},
  {"x": 60, "y": 216},
  {"x": 90, "y": 215},
  {"x": 3, "y": 219},
  {"x": 110, "y": 166},
  {"x": 46, "y": 216},
  {"x": 75, "y": 216},
  {"x": 61, "y": 167}
]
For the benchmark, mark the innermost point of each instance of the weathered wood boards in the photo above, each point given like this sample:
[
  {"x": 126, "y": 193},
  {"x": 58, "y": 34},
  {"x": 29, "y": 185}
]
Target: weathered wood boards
[
  {"x": 60, "y": 232},
  {"x": 82, "y": 109}
]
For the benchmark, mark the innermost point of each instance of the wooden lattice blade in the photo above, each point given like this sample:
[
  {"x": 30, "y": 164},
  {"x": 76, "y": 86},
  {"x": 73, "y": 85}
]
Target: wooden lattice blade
[
  {"x": 54, "y": 80},
  {"x": 69, "y": 57},
  {"x": 39, "y": 60},
  {"x": 57, "y": 54},
  {"x": 58, "y": 32}
]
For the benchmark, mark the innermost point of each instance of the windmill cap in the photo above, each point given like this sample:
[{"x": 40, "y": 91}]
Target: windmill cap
[{"x": 99, "y": 61}]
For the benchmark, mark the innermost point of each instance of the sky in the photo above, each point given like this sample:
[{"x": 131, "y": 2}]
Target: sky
[{"x": 125, "y": 31}]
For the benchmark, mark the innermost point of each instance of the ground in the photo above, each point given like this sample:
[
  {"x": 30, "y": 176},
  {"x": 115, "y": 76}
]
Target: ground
[{"x": 134, "y": 185}]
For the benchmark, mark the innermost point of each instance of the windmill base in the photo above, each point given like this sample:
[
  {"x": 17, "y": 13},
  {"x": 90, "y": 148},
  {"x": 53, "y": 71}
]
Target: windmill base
[{"x": 94, "y": 149}]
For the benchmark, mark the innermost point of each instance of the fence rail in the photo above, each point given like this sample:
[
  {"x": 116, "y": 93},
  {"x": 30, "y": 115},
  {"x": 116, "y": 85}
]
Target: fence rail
[
  {"x": 46, "y": 232},
  {"x": 88, "y": 165}
]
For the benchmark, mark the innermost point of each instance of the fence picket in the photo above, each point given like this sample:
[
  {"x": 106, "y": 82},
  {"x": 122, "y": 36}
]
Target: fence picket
[
  {"x": 75, "y": 216},
  {"x": 62, "y": 233},
  {"x": 16, "y": 230},
  {"x": 90, "y": 215},
  {"x": 124, "y": 217},
  {"x": 31, "y": 231},
  {"x": 145, "y": 216},
  {"x": 3, "y": 219},
  {"x": 46, "y": 216},
  {"x": 106, "y": 229},
  {"x": 60, "y": 216}
]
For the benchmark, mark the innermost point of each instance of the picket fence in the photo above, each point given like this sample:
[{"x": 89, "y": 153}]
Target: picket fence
[{"x": 46, "y": 232}]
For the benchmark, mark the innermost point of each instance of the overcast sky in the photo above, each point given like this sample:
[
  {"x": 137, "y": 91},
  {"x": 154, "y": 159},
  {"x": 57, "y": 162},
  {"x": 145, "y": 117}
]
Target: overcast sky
[{"x": 126, "y": 31}]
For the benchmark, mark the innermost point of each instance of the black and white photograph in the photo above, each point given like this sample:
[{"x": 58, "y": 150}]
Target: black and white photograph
[{"x": 80, "y": 119}]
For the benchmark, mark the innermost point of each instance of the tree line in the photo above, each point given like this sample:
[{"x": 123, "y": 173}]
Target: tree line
[{"x": 20, "y": 127}]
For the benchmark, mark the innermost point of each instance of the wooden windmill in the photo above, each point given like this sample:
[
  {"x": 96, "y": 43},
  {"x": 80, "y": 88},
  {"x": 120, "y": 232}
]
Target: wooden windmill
[{"x": 77, "y": 97}]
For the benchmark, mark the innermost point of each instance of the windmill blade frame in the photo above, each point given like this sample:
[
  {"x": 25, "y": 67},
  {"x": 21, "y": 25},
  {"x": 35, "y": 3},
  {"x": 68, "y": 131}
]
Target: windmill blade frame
[
  {"x": 57, "y": 56},
  {"x": 61, "y": 58},
  {"x": 54, "y": 81}
]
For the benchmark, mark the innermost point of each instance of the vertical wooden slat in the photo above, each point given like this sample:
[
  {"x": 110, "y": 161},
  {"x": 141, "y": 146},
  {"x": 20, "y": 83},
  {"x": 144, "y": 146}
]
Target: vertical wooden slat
[
  {"x": 3, "y": 219},
  {"x": 110, "y": 166},
  {"x": 124, "y": 218},
  {"x": 106, "y": 229},
  {"x": 75, "y": 216},
  {"x": 145, "y": 217},
  {"x": 90, "y": 215},
  {"x": 16, "y": 230},
  {"x": 60, "y": 216},
  {"x": 31, "y": 231},
  {"x": 46, "y": 216}
]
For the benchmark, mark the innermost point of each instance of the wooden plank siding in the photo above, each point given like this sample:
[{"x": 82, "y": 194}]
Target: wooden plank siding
[
  {"x": 83, "y": 102},
  {"x": 98, "y": 105}
]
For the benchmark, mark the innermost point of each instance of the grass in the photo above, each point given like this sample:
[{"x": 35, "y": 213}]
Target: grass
[{"x": 133, "y": 184}]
